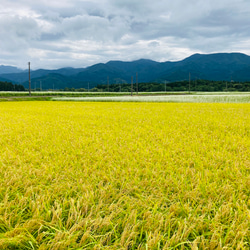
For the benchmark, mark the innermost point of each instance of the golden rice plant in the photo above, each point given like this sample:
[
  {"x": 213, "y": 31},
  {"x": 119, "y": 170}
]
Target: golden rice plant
[{"x": 80, "y": 175}]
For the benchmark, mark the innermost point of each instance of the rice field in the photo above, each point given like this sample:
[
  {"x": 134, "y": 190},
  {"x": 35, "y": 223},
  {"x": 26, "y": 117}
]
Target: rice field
[{"x": 120, "y": 175}]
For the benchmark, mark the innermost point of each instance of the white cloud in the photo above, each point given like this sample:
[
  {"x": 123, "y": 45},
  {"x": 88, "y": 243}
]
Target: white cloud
[{"x": 80, "y": 33}]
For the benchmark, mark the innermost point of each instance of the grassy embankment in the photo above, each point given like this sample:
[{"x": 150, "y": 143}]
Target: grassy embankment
[{"x": 230, "y": 97}]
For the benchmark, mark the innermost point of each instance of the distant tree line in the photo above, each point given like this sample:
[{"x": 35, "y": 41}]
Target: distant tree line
[
  {"x": 194, "y": 85},
  {"x": 8, "y": 86}
]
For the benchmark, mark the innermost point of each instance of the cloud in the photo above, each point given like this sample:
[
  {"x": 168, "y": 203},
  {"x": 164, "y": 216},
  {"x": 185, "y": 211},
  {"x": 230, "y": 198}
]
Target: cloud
[
  {"x": 16, "y": 33},
  {"x": 80, "y": 33}
]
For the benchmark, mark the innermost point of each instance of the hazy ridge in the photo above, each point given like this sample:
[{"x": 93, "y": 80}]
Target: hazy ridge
[{"x": 217, "y": 67}]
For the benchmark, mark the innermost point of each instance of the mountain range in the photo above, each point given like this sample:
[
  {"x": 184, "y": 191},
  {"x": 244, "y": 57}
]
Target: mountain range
[{"x": 217, "y": 67}]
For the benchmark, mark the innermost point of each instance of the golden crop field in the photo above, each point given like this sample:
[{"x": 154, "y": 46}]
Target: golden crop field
[{"x": 77, "y": 175}]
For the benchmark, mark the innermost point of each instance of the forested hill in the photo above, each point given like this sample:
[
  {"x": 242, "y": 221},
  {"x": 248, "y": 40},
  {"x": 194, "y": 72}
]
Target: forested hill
[{"x": 214, "y": 67}]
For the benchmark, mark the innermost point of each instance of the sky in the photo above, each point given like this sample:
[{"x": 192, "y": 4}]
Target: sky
[{"x": 78, "y": 33}]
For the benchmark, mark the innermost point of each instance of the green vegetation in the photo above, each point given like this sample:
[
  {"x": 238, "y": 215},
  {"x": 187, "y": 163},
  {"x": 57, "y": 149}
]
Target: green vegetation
[
  {"x": 184, "y": 86},
  {"x": 197, "y": 85},
  {"x": 47, "y": 95},
  {"x": 8, "y": 86},
  {"x": 226, "y": 97}
]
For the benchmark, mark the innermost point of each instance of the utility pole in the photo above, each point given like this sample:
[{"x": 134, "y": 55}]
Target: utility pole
[
  {"x": 119, "y": 85},
  {"x": 108, "y": 82},
  {"x": 40, "y": 85},
  {"x": 136, "y": 83},
  {"x": 88, "y": 86},
  {"x": 189, "y": 83},
  {"x": 29, "y": 80},
  {"x": 165, "y": 86},
  {"x": 131, "y": 85}
]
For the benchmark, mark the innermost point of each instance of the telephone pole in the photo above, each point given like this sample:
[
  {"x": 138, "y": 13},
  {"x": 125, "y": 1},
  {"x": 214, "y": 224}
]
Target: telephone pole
[
  {"x": 189, "y": 84},
  {"x": 131, "y": 85},
  {"x": 29, "y": 80},
  {"x": 108, "y": 82},
  {"x": 136, "y": 83}
]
